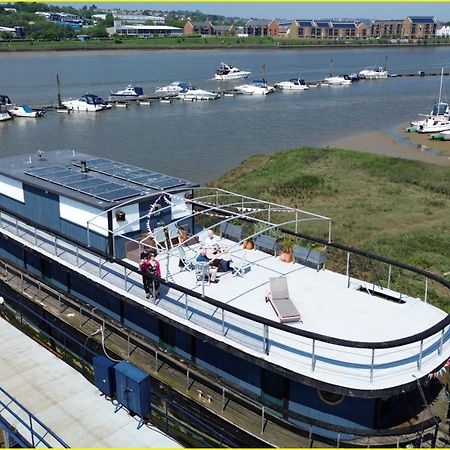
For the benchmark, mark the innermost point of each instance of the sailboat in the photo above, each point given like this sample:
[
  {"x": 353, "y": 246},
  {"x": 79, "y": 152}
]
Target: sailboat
[
  {"x": 340, "y": 80},
  {"x": 438, "y": 119}
]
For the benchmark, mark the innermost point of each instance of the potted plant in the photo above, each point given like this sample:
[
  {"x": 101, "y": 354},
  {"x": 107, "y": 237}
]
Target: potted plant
[{"x": 286, "y": 252}]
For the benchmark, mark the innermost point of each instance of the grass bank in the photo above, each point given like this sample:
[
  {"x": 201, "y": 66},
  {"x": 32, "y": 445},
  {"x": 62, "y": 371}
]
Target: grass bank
[
  {"x": 193, "y": 42},
  {"x": 393, "y": 207}
]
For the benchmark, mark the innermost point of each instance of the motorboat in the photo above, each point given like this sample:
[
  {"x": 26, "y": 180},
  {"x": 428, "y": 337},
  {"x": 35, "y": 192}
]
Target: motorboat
[
  {"x": 373, "y": 73},
  {"x": 192, "y": 93},
  {"x": 88, "y": 103},
  {"x": 5, "y": 106},
  {"x": 341, "y": 80},
  {"x": 172, "y": 89},
  {"x": 4, "y": 116},
  {"x": 228, "y": 72},
  {"x": 25, "y": 111},
  {"x": 129, "y": 92},
  {"x": 354, "y": 77},
  {"x": 433, "y": 124},
  {"x": 258, "y": 87},
  {"x": 439, "y": 114},
  {"x": 294, "y": 84}
]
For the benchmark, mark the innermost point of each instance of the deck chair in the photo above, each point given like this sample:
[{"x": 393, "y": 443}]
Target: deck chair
[
  {"x": 281, "y": 302},
  {"x": 174, "y": 234},
  {"x": 202, "y": 274},
  {"x": 160, "y": 238},
  {"x": 240, "y": 266},
  {"x": 187, "y": 258}
]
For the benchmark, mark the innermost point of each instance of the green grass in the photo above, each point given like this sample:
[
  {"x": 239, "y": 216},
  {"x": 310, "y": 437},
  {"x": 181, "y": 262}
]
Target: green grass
[
  {"x": 393, "y": 207},
  {"x": 180, "y": 42}
]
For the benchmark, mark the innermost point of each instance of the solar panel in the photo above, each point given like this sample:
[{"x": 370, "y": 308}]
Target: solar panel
[
  {"x": 84, "y": 183},
  {"x": 133, "y": 174}
]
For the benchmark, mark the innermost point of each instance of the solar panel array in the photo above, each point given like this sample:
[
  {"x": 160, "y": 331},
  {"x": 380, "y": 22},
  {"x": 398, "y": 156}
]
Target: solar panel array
[
  {"x": 84, "y": 183},
  {"x": 133, "y": 174}
]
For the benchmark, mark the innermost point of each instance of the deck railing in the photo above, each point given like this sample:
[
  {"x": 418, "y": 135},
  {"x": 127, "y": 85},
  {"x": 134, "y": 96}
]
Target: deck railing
[{"x": 369, "y": 362}]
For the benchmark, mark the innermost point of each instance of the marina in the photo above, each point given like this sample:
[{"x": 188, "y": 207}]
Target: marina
[{"x": 101, "y": 213}]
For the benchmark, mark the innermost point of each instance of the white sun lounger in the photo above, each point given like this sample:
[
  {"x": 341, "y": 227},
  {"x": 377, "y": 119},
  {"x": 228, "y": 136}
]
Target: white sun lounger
[{"x": 281, "y": 302}]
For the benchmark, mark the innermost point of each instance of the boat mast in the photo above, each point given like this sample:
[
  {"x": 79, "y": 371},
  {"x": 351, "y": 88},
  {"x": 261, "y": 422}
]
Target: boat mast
[
  {"x": 440, "y": 86},
  {"x": 331, "y": 67},
  {"x": 385, "y": 62},
  {"x": 59, "y": 90}
]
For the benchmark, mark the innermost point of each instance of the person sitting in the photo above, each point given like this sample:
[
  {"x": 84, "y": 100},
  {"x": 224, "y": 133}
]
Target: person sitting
[
  {"x": 202, "y": 258},
  {"x": 210, "y": 241}
]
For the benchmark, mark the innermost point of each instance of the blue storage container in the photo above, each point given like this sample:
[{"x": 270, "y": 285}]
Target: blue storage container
[
  {"x": 133, "y": 388},
  {"x": 104, "y": 375}
]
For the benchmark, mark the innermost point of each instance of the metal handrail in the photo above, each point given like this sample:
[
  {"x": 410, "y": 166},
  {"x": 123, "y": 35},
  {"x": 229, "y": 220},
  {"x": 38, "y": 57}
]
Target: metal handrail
[{"x": 31, "y": 418}]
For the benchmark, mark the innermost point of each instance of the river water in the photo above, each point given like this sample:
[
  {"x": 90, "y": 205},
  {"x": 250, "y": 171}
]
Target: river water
[{"x": 201, "y": 140}]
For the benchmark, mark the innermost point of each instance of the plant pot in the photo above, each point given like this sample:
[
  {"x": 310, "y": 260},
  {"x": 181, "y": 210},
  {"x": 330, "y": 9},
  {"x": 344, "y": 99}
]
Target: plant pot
[
  {"x": 248, "y": 244},
  {"x": 286, "y": 256}
]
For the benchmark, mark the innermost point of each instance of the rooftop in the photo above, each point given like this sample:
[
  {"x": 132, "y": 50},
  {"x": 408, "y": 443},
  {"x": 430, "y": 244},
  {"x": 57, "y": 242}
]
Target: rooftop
[{"x": 101, "y": 183}]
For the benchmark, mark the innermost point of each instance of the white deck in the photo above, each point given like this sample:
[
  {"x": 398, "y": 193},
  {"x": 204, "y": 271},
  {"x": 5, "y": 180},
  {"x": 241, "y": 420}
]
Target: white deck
[
  {"x": 64, "y": 400},
  {"x": 325, "y": 302}
]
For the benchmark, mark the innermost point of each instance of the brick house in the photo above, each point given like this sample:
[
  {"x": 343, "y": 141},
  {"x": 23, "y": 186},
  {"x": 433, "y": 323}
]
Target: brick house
[
  {"x": 203, "y": 28},
  {"x": 386, "y": 28},
  {"x": 415, "y": 27},
  {"x": 256, "y": 27}
]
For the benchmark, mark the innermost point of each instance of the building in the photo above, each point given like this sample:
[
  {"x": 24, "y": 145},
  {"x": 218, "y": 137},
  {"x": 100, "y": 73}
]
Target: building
[
  {"x": 145, "y": 30},
  {"x": 255, "y": 27},
  {"x": 139, "y": 19},
  {"x": 225, "y": 30},
  {"x": 419, "y": 27},
  {"x": 203, "y": 28},
  {"x": 328, "y": 354},
  {"x": 350, "y": 30},
  {"x": 386, "y": 28},
  {"x": 443, "y": 31}
]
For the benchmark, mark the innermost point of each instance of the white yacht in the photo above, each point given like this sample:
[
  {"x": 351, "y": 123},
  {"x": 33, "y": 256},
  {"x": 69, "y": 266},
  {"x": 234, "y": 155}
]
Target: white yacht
[
  {"x": 228, "y": 72},
  {"x": 434, "y": 124},
  {"x": 341, "y": 80},
  {"x": 172, "y": 89},
  {"x": 294, "y": 84},
  {"x": 373, "y": 73},
  {"x": 192, "y": 93},
  {"x": 129, "y": 92},
  {"x": 258, "y": 87},
  {"x": 87, "y": 103},
  {"x": 25, "y": 111},
  {"x": 5, "y": 106}
]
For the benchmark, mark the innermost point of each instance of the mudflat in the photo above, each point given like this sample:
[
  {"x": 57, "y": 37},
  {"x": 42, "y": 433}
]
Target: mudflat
[{"x": 415, "y": 146}]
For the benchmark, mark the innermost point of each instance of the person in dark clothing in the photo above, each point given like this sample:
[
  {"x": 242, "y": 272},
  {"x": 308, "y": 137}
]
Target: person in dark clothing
[
  {"x": 155, "y": 269},
  {"x": 144, "y": 264}
]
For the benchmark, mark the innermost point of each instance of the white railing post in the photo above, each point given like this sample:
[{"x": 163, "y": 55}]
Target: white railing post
[
  {"x": 347, "y": 270},
  {"x": 389, "y": 276},
  {"x": 425, "y": 297},
  {"x": 372, "y": 365}
]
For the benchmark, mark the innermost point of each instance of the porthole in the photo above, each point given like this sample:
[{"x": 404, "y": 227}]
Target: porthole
[{"x": 330, "y": 398}]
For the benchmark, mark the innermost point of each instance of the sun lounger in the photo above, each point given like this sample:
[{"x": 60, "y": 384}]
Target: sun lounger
[{"x": 281, "y": 302}]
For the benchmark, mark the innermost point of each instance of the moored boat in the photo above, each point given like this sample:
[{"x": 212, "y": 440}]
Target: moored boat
[
  {"x": 294, "y": 84},
  {"x": 341, "y": 80},
  {"x": 25, "y": 111},
  {"x": 333, "y": 353},
  {"x": 192, "y": 93},
  {"x": 258, "y": 87},
  {"x": 129, "y": 92},
  {"x": 87, "y": 103},
  {"x": 172, "y": 89},
  {"x": 229, "y": 72},
  {"x": 373, "y": 73}
]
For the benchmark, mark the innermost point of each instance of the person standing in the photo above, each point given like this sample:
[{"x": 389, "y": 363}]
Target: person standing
[
  {"x": 144, "y": 264},
  {"x": 155, "y": 269}
]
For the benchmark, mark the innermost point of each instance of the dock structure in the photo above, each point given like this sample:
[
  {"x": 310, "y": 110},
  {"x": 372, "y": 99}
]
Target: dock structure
[{"x": 62, "y": 399}]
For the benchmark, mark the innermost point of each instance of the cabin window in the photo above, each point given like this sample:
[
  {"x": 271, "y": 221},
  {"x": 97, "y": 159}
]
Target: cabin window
[{"x": 330, "y": 398}]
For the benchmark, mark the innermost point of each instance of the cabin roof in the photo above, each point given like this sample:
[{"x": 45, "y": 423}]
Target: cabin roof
[{"x": 104, "y": 183}]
